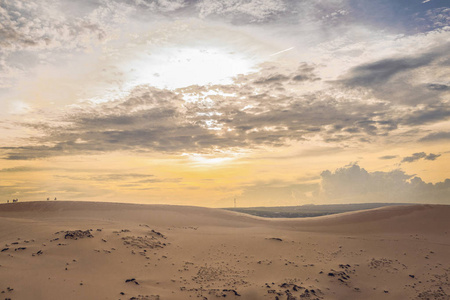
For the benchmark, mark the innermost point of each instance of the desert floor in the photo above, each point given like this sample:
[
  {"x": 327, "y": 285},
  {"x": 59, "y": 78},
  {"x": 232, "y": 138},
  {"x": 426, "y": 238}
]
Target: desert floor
[{"x": 85, "y": 250}]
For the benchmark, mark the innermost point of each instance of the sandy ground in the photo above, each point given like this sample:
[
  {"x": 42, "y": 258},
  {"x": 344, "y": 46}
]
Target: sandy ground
[{"x": 81, "y": 250}]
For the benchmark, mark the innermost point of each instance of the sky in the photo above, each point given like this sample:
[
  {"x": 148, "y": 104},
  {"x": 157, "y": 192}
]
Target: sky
[{"x": 200, "y": 102}]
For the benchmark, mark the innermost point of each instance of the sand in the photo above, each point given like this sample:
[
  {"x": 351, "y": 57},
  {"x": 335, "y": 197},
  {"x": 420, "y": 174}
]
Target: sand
[{"x": 84, "y": 250}]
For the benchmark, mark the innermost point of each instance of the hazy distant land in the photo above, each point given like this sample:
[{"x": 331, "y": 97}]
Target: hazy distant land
[{"x": 305, "y": 211}]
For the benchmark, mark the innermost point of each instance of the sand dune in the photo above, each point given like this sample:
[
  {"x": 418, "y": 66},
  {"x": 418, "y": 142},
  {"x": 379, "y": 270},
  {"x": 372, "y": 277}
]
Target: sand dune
[{"x": 84, "y": 250}]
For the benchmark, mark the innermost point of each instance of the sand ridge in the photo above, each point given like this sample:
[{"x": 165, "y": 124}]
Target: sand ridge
[{"x": 87, "y": 250}]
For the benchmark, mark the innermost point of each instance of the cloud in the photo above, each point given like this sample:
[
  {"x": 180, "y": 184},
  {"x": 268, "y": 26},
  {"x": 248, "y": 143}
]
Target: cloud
[
  {"x": 388, "y": 157},
  {"x": 349, "y": 184},
  {"x": 382, "y": 71},
  {"x": 271, "y": 78},
  {"x": 160, "y": 6},
  {"x": 436, "y": 136},
  {"x": 432, "y": 156},
  {"x": 160, "y": 180},
  {"x": 438, "y": 87},
  {"x": 305, "y": 72},
  {"x": 264, "y": 108},
  {"x": 43, "y": 31},
  {"x": 247, "y": 11},
  {"x": 427, "y": 114},
  {"x": 29, "y": 25},
  {"x": 22, "y": 169},
  {"x": 245, "y": 114},
  {"x": 355, "y": 184},
  {"x": 417, "y": 156},
  {"x": 436, "y": 18},
  {"x": 405, "y": 16},
  {"x": 400, "y": 78},
  {"x": 110, "y": 177},
  {"x": 414, "y": 157}
]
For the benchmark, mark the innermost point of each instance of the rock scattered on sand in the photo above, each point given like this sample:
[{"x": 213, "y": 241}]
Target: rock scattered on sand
[
  {"x": 142, "y": 242},
  {"x": 77, "y": 234},
  {"x": 145, "y": 297},
  {"x": 157, "y": 234},
  {"x": 230, "y": 291},
  {"x": 342, "y": 276},
  {"x": 388, "y": 265},
  {"x": 439, "y": 294},
  {"x": 290, "y": 291},
  {"x": 132, "y": 280},
  {"x": 275, "y": 239},
  {"x": 40, "y": 252}
]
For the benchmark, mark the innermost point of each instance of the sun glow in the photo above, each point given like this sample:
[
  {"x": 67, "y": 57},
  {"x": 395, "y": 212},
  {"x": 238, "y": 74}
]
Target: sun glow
[
  {"x": 212, "y": 159},
  {"x": 174, "y": 68}
]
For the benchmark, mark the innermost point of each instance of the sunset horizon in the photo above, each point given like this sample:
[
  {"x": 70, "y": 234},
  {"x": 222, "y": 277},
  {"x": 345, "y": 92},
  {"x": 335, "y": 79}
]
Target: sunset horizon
[{"x": 270, "y": 102}]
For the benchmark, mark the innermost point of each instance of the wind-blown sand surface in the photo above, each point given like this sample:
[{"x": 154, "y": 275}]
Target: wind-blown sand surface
[{"x": 126, "y": 251}]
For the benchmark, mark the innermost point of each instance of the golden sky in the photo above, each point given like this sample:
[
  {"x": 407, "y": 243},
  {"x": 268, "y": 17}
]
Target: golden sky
[{"x": 271, "y": 102}]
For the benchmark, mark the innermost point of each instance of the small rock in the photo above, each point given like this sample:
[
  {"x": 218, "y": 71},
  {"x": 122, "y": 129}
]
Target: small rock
[{"x": 132, "y": 280}]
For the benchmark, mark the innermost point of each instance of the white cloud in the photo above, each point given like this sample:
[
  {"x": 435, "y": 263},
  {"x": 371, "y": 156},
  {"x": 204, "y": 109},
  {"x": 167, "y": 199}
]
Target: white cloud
[
  {"x": 255, "y": 10},
  {"x": 353, "y": 184}
]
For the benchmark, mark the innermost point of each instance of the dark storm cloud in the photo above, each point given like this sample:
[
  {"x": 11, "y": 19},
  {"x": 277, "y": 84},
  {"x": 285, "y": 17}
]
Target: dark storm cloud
[{"x": 355, "y": 184}]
